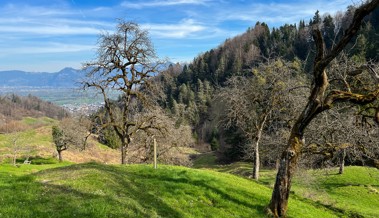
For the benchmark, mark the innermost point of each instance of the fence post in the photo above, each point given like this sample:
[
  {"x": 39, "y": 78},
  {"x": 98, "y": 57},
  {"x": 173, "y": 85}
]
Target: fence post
[{"x": 155, "y": 154}]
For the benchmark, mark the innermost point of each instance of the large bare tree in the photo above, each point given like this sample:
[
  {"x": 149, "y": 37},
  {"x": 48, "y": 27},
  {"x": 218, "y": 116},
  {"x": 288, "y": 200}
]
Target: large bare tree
[
  {"x": 249, "y": 102},
  {"x": 320, "y": 99},
  {"x": 345, "y": 131},
  {"x": 125, "y": 60}
]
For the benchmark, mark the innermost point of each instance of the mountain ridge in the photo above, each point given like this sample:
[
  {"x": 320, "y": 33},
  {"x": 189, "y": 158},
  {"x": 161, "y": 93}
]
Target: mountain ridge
[{"x": 67, "y": 78}]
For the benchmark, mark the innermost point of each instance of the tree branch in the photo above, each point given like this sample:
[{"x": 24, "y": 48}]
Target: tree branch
[{"x": 342, "y": 96}]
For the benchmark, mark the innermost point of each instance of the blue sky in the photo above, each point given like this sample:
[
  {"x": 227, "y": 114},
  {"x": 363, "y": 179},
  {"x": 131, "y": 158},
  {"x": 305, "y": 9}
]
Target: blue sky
[{"x": 48, "y": 35}]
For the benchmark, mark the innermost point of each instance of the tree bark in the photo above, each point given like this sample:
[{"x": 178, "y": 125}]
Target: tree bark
[
  {"x": 256, "y": 146},
  {"x": 256, "y": 149},
  {"x": 60, "y": 158},
  {"x": 256, "y": 161},
  {"x": 123, "y": 154},
  {"x": 289, "y": 159},
  {"x": 287, "y": 166}
]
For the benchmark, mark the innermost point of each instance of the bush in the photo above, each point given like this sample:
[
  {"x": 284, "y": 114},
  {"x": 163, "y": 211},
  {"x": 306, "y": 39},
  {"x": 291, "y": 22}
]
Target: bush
[
  {"x": 41, "y": 160},
  {"x": 214, "y": 144}
]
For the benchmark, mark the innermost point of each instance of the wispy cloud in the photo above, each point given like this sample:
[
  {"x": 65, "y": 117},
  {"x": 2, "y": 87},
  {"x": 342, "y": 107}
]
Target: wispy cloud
[
  {"x": 65, "y": 31},
  {"x": 26, "y": 19},
  {"x": 281, "y": 13},
  {"x": 184, "y": 28},
  {"x": 48, "y": 48},
  {"x": 162, "y": 3},
  {"x": 27, "y": 10},
  {"x": 47, "y": 30}
]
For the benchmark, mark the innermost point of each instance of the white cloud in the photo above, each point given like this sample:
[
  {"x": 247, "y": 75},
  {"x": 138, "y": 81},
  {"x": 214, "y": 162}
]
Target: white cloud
[
  {"x": 184, "y": 28},
  {"x": 162, "y": 3}
]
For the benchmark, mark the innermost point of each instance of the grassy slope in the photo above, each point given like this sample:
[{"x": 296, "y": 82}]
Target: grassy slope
[
  {"x": 37, "y": 141},
  {"x": 96, "y": 190},
  {"x": 353, "y": 194}
]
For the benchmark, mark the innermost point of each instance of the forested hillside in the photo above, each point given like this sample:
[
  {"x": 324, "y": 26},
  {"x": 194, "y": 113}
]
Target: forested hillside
[
  {"x": 14, "y": 107},
  {"x": 194, "y": 91}
]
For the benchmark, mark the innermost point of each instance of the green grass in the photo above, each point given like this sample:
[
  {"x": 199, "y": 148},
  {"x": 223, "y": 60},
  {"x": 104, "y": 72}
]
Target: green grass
[
  {"x": 354, "y": 193},
  {"x": 29, "y": 142},
  {"x": 206, "y": 160},
  {"x": 96, "y": 190},
  {"x": 42, "y": 121}
]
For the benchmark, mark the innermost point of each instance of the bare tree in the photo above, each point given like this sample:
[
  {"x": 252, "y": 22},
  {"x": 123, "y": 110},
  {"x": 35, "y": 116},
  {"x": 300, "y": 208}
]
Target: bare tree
[
  {"x": 125, "y": 61},
  {"x": 345, "y": 131},
  {"x": 19, "y": 145},
  {"x": 250, "y": 102},
  {"x": 76, "y": 129},
  {"x": 69, "y": 133},
  {"x": 60, "y": 141},
  {"x": 172, "y": 140},
  {"x": 335, "y": 137},
  {"x": 320, "y": 99}
]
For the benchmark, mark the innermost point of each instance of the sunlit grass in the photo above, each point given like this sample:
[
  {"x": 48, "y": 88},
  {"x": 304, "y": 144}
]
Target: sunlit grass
[
  {"x": 352, "y": 194},
  {"x": 355, "y": 193},
  {"x": 96, "y": 190}
]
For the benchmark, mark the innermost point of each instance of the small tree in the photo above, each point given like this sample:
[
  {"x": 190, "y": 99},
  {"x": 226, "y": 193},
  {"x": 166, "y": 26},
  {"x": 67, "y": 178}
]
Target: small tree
[
  {"x": 70, "y": 132},
  {"x": 76, "y": 131},
  {"x": 125, "y": 60},
  {"x": 172, "y": 141},
  {"x": 18, "y": 143},
  {"x": 59, "y": 141}
]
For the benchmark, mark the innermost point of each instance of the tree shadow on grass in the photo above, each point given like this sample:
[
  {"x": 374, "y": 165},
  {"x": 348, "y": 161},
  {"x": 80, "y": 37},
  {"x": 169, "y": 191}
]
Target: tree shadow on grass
[
  {"x": 210, "y": 186},
  {"x": 146, "y": 187},
  {"x": 44, "y": 199}
]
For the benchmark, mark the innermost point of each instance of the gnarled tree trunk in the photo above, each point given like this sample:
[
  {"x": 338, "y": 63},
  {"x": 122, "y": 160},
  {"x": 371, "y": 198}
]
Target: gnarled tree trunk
[
  {"x": 317, "y": 103},
  {"x": 288, "y": 162}
]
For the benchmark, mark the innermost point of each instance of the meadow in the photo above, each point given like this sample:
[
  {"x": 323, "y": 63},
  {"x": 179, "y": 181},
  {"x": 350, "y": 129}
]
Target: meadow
[
  {"x": 103, "y": 188},
  {"x": 100, "y": 190}
]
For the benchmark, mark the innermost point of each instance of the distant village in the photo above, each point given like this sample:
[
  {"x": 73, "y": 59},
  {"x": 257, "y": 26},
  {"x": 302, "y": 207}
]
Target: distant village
[{"x": 82, "y": 109}]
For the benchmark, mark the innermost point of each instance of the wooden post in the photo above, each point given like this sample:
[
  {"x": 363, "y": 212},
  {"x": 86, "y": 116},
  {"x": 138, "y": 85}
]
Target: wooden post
[{"x": 155, "y": 154}]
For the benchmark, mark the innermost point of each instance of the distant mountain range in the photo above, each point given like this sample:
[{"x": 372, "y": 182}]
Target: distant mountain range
[{"x": 66, "y": 78}]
